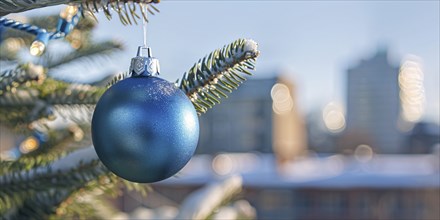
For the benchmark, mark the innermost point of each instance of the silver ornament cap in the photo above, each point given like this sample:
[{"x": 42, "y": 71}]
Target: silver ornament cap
[{"x": 144, "y": 65}]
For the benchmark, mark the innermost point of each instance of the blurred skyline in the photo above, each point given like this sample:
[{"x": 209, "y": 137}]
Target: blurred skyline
[
  {"x": 283, "y": 134},
  {"x": 312, "y": 43}
]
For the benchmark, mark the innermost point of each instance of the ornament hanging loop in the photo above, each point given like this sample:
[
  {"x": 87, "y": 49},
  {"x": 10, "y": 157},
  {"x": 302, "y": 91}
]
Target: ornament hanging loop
[
  {"x": 144, "y": 65},
  {"x": 141, "y": 49}
]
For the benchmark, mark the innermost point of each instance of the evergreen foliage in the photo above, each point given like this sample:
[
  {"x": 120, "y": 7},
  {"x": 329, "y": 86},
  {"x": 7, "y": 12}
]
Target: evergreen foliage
[
  {"x": 122, "y": 7},
  {"x": 55, "y": 172},
  {"x": 219, "y": 73}
]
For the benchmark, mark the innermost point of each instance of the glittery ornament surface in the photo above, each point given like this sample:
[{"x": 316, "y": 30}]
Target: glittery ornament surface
[{"x": 144, "y": 129}]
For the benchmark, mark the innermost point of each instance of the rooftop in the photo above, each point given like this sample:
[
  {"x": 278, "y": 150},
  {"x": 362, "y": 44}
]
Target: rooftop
[{"x": 328, "y": 171}]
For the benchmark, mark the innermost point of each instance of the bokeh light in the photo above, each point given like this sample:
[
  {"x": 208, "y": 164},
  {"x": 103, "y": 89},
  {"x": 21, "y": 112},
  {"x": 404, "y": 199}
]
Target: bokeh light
[
  {"x": 222, "y": 164},
  {"x": 282, "y": 100},
  {"x": 333, "y": 116},
  {"x": 363, "y": 153},
  {"x": 29, "y": 144},
  {"x": 412, "y": 92}
]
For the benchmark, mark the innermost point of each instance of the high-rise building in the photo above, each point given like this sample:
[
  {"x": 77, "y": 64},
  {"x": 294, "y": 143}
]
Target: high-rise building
[
  {"x": 260, "y": 116},
  {"x": 373, "y": 104}
]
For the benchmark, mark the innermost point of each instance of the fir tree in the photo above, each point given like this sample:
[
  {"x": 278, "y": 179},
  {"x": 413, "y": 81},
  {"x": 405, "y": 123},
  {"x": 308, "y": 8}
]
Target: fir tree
[{"x": 57, "y": 165}]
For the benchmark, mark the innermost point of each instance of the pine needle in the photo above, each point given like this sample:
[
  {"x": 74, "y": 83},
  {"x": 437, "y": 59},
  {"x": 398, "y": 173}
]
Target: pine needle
[{"x": 218, "y": 73}]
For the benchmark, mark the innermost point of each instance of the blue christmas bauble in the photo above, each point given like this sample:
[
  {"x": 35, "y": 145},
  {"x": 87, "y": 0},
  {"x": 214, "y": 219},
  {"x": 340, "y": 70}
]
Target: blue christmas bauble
[{"x": 144, "y": 129}]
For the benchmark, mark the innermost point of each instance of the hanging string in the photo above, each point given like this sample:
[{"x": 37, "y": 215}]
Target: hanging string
[{"x": 144, "y": 22}]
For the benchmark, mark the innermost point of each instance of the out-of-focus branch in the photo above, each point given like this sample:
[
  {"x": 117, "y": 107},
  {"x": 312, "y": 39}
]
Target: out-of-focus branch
[
  {"x": 79, "y": 158},
  {"x": 201, "y": 204},
  {"x": 13, "y": 78},
  {"x": 15, "y": 6}
]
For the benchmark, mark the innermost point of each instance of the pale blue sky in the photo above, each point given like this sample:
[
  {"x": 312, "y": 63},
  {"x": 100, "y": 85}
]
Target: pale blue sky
[{"x": 311, "y": 42}]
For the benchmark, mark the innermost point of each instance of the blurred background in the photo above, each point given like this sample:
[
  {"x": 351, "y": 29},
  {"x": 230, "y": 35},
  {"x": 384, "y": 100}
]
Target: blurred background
[{"x": 340, "y": 121}]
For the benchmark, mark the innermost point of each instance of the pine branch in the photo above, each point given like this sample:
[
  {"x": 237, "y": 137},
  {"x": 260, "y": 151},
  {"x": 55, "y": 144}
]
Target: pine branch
[
  {"x": 74, "y": 170},
  {"x": 11, "y": 79},
  {"x": 55, "y": 92},
  {"x": 15, "y": 118},
  {"x": 219, "y": 73},
  {"x": 49, "y": 147},
  {"x": 28, "y": 163},
  {"x": 56, "y": 142},
  {"x": 96, "y": 193},
  {"x": 78, "y": 114},
  {"x": 123, "y": 8},
  {"x": 202, "y": 203},
  {"x": 72, "y": 101},
  {"x": 19, "y": 99},
  {"x": 35, "y": 205},
  {"x": 117, "y": 78},
  {"x": 83, "y": 158},
  {"x": 108, "y": 78},
  {"x": 215, "y": 75},
  {"x": 98, "y": 49},
  {"x": 79, "y": 210},
  {"x": 37, "y": 191}
]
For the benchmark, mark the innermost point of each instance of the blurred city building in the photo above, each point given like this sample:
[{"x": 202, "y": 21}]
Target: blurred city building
[
  {"x": 319, "y": 138},
  {"x": 360, "y": 186},
  {"x": 260, "y": 116},
  {"x": 264, "y": 128},
  {"x": 424, "y": 138},
  {"x": 324, "y": 126},
  {"x": 373, "y": 106},
  {"x": 385, "y": 105}
]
